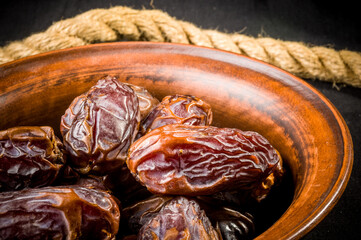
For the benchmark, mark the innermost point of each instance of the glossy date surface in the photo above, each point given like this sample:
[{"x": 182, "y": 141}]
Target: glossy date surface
[
  {"x": 71, "y": 212},
  {"x": 99, "y": 126},
  {"x": 230, "y": 222},
  {"x": 180, "y": 109},
  {"x": 138, "y": 214},
  {"x": 30, "y": 156},
  {"x": 146, "y": 101},
  {"x": 201, "y": 160},
  {"x": 179, "y": 218},
  {"x": 234, "y": 225}
]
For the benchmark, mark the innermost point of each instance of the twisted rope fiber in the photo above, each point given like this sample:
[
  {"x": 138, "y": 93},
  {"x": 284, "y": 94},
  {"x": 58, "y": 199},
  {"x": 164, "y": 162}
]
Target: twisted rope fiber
[{"x": 123, "y": 23}]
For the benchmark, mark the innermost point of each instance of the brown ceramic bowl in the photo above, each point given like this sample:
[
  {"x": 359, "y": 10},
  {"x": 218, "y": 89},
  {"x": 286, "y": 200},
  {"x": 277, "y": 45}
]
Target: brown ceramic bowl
[{"x": 244, "y": 93}]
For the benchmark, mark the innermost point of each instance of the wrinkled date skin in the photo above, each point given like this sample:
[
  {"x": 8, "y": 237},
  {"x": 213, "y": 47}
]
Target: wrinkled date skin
[
  {"x": 136, "y": 215},
  {"x": 146, "y": 101},
  {"x": 180, "y": 109},
  {"x": 230, "y": 224},
  {"x": 201, "y": 160},
  {"x": 71, "y": 212},
  {"x": 99, "y": 126},
  {"x": 179, "y": 218},
  {"x": 30, "y": 156},
  {"x": 256, "y": 195}
]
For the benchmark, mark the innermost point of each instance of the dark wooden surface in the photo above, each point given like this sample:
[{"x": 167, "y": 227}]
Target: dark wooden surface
[{"x": 314, "y": 22}]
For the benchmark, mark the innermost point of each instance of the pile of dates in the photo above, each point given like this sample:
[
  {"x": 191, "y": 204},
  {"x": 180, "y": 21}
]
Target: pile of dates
[{"x": 127, "y": 166}]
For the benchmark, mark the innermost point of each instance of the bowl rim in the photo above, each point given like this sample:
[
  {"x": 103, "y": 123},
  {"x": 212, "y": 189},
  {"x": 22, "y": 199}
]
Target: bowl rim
[{"x": 218, "y": 55}]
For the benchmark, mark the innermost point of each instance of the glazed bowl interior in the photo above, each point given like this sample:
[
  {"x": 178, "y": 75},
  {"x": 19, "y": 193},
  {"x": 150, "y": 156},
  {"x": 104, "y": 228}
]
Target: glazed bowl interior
[{"x": 301, "y": 123}]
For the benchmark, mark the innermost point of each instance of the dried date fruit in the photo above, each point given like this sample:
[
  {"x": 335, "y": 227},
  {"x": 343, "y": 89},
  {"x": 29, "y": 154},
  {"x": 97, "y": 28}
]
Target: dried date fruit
[
  {"x": 136, "y": 215},
  {"x": 201, "y": 160},
  {"x": 146, "y": 101},
  {"x": 273, "y": 179},
  {"x": 30, "y": 156},
  {"x": 230, "y": 223},
  {"x": 253, "y": 196},
  {"x": 71, "y": 212},
  {"x": 178, "y": 109},
  {"x": 179, "y": 218},
  {"x": 92, "y": 182},
  {"x": 99, "y": 126},
  {"x": 234, "y": 225}
]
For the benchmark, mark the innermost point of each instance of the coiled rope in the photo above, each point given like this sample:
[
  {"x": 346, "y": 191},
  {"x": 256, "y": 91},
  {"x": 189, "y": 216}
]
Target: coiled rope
[{"x": 123, "y": 23}]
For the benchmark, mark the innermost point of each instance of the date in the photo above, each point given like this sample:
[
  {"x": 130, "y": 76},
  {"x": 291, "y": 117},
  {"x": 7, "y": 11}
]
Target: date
[
  {"x": 201, "y": 160},
  {"x": 234, "y": 225},
  {"x": 99, "y": 126},
  {"x": 146, "y": 101},
  {"x": 92, "y": 182},
  {"x": 30, "y": 156},
  {"x": 230, "y": 223},
  {"x": 179, "y": 218},
  {"x": 138, "y": 214},
  {"x": 71, "y": 212},
  {"x": 180, "y": 109},
  {"x": 253, "y": 196}
]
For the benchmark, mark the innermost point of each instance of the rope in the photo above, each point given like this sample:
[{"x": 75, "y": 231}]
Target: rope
[{"x": 123, "y": 23}]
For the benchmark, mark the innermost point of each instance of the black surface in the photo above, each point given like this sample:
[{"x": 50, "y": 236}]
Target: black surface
[{"x": 328, "y": 23}]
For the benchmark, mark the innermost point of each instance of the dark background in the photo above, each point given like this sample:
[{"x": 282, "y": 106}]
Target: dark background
[{"x": 327, "y": 23}]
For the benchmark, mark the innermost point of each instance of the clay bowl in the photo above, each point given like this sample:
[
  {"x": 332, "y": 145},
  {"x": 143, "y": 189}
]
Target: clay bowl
[{"x": 300, "y": 122}]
